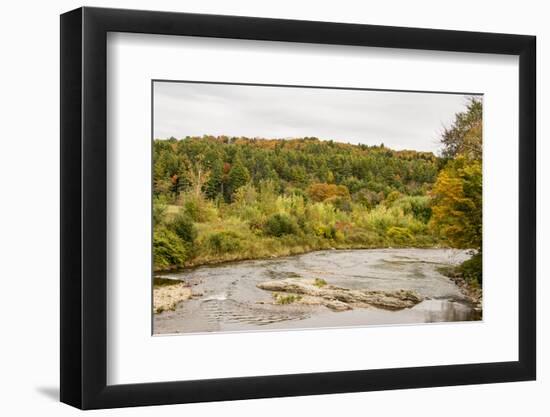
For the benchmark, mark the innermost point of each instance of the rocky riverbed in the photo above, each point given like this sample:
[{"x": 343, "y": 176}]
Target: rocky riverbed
[{"x": 331, "y": 288}]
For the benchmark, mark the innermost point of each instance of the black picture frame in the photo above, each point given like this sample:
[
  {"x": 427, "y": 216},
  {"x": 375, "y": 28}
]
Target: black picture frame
[{"x": 84, "y": 207}]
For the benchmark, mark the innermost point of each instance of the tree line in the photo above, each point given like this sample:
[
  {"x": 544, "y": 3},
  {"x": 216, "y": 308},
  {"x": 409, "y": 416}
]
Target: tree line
[{"x": 220, "y": 165}]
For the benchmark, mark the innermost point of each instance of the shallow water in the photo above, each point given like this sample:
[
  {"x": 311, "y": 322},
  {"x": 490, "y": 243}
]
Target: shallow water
[{"x": 227, "y": 299}]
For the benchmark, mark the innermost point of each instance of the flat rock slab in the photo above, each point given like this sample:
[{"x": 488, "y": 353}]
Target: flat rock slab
[{"x": 341, "y": 299}]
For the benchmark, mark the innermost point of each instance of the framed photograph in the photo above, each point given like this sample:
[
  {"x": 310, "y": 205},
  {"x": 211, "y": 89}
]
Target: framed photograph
[{"x": 257, "y": 208}]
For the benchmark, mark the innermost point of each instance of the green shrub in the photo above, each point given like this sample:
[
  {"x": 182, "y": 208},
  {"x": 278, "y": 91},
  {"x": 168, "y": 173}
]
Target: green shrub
[
  {"x": 417, "y": 206},
  {"x": 399, "y": 234},
  {"x": 159, "y": 211},
  {"x": 364, "y": 237},
  {"x": 223, "y": 242},
  {"x": 280, "y": 224},
  {"x": 472, "y": 269},
  {"x": 197, "y": 208},
  {"x": 392, "y": 198},
  {"x": 421, "y": 208},
  {"x": 327, "y": 231},
  {"x": 380, "y": 219},
  {"x": 192, "y": 209},
  {"x": 183, "y": 226},
  {"x": 168, "y": 249},
  {"x": 253, "y": 216}
]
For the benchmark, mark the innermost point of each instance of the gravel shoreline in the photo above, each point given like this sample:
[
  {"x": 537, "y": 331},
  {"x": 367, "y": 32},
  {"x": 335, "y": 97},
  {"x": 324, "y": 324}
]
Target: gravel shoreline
[{"x": 168, "y": 296}]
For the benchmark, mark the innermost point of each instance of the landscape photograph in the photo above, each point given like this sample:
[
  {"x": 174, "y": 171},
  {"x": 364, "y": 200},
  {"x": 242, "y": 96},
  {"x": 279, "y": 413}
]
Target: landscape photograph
[{"x": 286, "y": 208}]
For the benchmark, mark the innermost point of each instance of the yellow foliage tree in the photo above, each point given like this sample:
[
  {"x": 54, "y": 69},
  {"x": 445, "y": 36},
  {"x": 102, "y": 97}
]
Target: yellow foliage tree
[{"x": 457, "y": 204}]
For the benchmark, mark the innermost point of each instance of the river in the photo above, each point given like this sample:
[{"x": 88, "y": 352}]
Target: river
[{"x": 226, "y": 297}]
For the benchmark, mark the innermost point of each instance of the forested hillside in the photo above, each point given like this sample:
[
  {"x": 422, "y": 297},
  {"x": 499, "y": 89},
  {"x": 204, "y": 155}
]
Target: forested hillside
[
  {"x": 228, "y": 198},
  {"x": 292, "y": 165}
]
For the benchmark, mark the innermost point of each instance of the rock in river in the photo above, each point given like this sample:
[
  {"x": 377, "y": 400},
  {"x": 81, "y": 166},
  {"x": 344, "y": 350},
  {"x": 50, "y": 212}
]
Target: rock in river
[{"x": 340, "y": 299}]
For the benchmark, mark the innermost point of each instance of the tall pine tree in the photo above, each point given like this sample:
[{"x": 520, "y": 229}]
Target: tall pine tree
[{"x": 238, "y": 176}]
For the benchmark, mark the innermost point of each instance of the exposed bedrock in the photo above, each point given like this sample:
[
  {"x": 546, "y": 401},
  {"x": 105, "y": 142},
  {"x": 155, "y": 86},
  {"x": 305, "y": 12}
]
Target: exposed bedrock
[{"x": 340, "y": 299}]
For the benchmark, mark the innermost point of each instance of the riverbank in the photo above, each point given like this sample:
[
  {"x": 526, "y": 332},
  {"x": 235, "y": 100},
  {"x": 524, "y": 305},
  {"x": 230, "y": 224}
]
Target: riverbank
[
  {"x": 470, "y": 289},
  {"x": 257, "y": 226},
  {"x": 282, "y": 252}
]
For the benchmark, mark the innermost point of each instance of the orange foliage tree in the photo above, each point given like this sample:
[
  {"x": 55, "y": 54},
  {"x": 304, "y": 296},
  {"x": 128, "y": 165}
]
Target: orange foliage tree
[{"x": 322, "y": 191}]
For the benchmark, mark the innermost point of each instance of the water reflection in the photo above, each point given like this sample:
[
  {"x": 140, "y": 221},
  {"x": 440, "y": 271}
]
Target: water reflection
[{"x": 444, "y": 310}]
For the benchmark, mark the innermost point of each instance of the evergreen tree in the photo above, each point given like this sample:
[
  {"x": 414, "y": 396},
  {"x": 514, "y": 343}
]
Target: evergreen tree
[
  {"x": 238, "y": 176},
  {"x": 214, "y": 186}
]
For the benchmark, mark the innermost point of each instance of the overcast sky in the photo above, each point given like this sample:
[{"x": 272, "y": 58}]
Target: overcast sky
[{"x": 399, "y": 120}]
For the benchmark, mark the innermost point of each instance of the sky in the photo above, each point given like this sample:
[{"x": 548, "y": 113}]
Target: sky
[{"x": 400, "y": 120}]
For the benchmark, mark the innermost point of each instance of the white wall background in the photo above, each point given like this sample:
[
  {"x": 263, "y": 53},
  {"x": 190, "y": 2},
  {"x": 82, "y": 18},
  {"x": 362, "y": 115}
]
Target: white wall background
[{"x": 29, "y": 225}]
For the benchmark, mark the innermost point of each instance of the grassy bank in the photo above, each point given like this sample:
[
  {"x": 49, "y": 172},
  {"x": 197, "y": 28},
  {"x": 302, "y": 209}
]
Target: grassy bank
[{"x": 258, "y": 226}]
